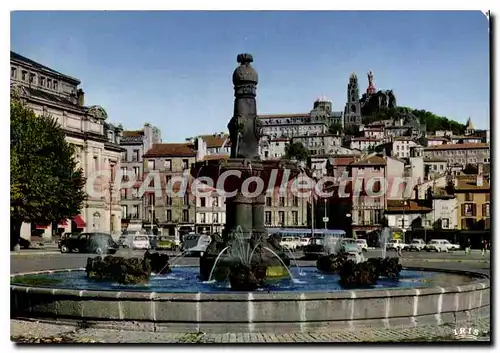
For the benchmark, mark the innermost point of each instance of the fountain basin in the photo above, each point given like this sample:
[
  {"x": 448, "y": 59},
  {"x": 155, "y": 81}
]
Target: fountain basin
[{"x": 461, "y": 296}]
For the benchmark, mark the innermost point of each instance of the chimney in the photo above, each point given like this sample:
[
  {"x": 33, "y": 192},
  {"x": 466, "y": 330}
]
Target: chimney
[
  {"x": 80, "y": 96},
  {"x": 479, "y": 181}
]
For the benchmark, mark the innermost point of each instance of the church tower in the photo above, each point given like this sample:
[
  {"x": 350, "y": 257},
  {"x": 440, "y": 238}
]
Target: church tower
[
  {"x": 469, "y": 128},
  {"x": 352, "y": 112}
]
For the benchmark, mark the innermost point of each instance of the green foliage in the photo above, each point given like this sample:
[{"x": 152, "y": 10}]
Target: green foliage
[
  {"x": 432, "y": 121},
  {"x": 470, "y": 169},
  {"x": 335, "y": 128},
  {"x": 46, "y": 185},
  {"x": 296, "y": 150}
]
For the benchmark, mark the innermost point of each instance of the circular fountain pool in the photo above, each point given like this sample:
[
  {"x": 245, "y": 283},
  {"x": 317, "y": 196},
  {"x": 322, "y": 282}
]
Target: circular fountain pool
[
  {"x": 180, "y": 302},
  {"x": 185, "y": 280}
]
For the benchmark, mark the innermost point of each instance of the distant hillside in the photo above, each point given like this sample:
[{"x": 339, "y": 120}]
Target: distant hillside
[{"x": 432, "y": 121}]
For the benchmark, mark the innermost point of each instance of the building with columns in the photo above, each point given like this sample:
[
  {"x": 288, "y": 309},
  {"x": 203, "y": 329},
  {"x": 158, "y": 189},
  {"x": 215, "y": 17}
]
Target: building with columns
[{"x": 96, "y": 142}]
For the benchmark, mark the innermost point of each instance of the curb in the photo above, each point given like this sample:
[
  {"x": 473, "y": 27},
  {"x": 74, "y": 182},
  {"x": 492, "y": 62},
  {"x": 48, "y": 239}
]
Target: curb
[
  {"x": 445, "y": 260},
  {"x": 32, "y": 253}
]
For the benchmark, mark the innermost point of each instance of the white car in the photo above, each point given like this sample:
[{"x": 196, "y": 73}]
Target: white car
[
  {"x": 396, "y": 244},
  {"x": 291, "y": 243},
  {"x": 303, "y": 242},
  {"x": 363, "y": 245},
  {"x": 440, "y": 245},
  {"x": 350, "y": 246},
  {"x": 141, "y": 242},
  {"x": 417, "y": 245}
]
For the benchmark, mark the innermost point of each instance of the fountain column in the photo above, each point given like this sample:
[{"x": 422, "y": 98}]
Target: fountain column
[
  {"x": 245, "y": 132},
  {"x": 259, "y": 230}
]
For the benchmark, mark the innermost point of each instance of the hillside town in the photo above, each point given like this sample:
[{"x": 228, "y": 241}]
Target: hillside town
[{"x": 450, "y": 170}]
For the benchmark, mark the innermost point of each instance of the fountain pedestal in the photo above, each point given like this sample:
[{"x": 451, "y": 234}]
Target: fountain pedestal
[{"x": 244, "y": 242}]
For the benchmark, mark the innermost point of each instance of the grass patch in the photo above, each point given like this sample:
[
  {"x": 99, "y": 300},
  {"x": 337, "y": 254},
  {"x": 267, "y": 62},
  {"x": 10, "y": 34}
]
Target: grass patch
[{"x": 35, "y": 280}]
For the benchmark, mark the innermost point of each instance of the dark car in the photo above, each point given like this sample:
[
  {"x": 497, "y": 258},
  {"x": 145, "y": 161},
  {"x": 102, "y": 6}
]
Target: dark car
[
  {"x": 97, "y": 243},
  {"x": 315, "y": 248},
  {"x": 24, "y": 243}
]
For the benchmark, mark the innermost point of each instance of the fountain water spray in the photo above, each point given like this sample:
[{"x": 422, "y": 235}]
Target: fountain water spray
[{"x": 384, "y": 237}]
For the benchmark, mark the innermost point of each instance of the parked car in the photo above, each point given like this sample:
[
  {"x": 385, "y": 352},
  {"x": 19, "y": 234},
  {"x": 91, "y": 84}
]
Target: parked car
[
  {"x": 441, "y": 245},
  {"x": 196, "y": 244},
  {"x": 395, "y": 244},
  {"x": 291, "y": 243},
  {"x": 24, "y": 243},
  {"x": 141, "y": 242},
  {"x": 417, "y": 245},
  {"x": 125, "y": 241},
  {"x": 315, "y": 248},
  {"x": 98, "y": 243},
  {"x": 166, "y": 242},
  {"x": 362, "y": 244},
  {"x": 350, "y": 246},
  {"x": 303, "y": 242}
]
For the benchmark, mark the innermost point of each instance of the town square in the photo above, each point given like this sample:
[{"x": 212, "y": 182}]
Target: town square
[{"x": 164, "y": 190}]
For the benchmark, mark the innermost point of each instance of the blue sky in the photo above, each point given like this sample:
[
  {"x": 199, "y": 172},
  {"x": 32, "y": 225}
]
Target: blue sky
[{"x": 173, "y": 69}]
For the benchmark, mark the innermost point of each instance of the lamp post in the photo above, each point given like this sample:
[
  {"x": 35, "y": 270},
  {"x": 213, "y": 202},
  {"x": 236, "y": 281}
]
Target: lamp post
[
  {"x": 152, "y": 214},
  {"x": 403, "y": 221},
  {"x": 110, "y": 206},
  {"x": 213, "y": 199},
  {"x": 325, "y": 218},
  {"x": 349, "y": 222},
  {"x": 312, "y": 209}
]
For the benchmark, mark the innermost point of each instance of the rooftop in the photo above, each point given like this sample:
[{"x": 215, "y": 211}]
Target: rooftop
[
  {"x": 370, "y": 161},
  {"x": 215, "y": 140},
  {"x": 283, "y": 116},
  {"x": 457, "y": 146},
  {"x": 215, "y": 157},
  {"x": 397, "y": 206},
  {"x": 171, "y": 150},
  {"x": 365, "y": 139},
  {"x": 469, "y": 183},
  {"x": 130, "y": 133},
  {"x": 38, "y": 66}
]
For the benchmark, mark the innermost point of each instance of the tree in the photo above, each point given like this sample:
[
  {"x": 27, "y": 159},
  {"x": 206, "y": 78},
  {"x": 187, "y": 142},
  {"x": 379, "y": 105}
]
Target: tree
[
  {"x": 335, "y": 128},
  {"x": 432, "y": 121},
  {"x": 470, "y": 169},
  {"x": 46, "y": 185},
  {"x": 296, "y": 150}
]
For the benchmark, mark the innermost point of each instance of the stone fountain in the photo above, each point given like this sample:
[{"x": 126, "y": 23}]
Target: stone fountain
[
  {"x": 244, "y": 211},
  {"x": 175, "y": 300}
]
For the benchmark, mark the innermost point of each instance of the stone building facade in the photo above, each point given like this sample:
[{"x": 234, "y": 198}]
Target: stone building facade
[
  {"x": 461, "y": 154},
  {"x": 174, "y": 211},
  {"x": 135, "y": 143},
  {"x": 96, "y": 142},
  {"x": 320, "y": 144},
  {"x": 285, "y": 210}
]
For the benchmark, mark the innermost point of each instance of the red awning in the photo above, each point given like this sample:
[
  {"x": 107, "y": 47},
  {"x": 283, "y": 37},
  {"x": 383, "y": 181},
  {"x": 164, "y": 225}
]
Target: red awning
[
  {"x": 63, "y": 223},
  {"x": 42, "y": 226},
  {"x": 80, "y": 223}
]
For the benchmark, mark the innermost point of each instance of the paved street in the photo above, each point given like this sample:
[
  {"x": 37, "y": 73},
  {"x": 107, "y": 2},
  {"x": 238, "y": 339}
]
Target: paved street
[
  {"x": 33, "y": 260},
  {"x": 31, "y": 332}
]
